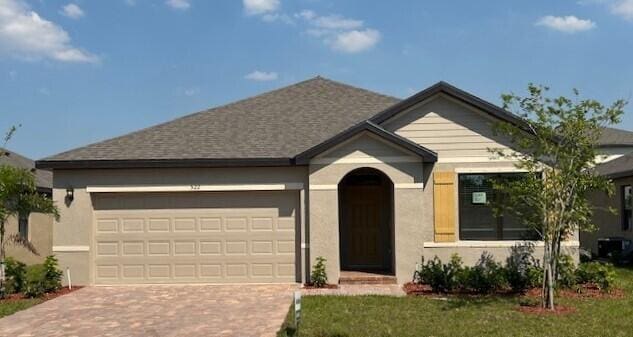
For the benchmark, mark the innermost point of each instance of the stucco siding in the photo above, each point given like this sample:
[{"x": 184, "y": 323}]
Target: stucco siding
[{"x": 40, "y": 236}]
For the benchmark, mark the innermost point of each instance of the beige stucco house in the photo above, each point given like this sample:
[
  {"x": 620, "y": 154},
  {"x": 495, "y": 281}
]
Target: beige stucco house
[
  {"x": 38, "y": 228},
  {"x": 254, "y": 190}
]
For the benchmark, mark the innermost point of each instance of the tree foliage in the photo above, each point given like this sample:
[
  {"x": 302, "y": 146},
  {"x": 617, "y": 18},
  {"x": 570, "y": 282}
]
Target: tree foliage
[{"x": 557, "y": 145}]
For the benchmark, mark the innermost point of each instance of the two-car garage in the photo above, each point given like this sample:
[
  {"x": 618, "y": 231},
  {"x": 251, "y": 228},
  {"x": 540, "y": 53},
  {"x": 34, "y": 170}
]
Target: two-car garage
[{"x": 195, "y": 237}]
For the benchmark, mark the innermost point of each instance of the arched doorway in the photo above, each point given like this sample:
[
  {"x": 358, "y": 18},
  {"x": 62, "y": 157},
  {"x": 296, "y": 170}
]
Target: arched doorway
[{"x": 366, "y": 221}]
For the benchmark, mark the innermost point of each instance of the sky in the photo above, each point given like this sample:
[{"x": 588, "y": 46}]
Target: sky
[{"x": 76, "y": 72}]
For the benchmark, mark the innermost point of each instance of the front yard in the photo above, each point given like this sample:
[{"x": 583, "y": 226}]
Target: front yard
[{"x": 329, "y": 316}]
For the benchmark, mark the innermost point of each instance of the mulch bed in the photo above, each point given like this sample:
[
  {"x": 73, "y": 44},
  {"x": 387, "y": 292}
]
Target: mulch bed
[
  {"x": 588, "y": 290},
  {"x": 327, "y": 286},
  {"x": 48, "y": 296}
]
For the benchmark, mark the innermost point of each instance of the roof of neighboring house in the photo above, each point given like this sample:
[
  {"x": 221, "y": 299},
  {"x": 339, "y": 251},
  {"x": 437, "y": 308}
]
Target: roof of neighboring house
[
  {"x": 270, "y": 129},
  {"x": 43, "y": 179},
  {"x": 617, "y": 168},
  {"x": 615, "y": 137}
]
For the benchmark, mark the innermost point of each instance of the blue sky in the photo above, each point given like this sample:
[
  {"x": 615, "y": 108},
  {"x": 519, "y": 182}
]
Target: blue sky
[{"x": 75, "y": 72}]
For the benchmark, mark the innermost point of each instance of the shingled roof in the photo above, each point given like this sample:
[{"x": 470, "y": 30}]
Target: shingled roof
[
  {"x": 617, "y": 168},
  {"x": 276, "y": 125},
  {"x": 43, "y": 179},
  {"x": 270, "y": 129},
  {"x": 615, "y": 137}
]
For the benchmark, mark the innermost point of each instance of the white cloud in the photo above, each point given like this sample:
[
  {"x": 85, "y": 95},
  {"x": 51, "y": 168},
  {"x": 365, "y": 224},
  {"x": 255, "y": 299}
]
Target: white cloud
[
  {"x": 130, "y": 2},
  {"x": 72, "y": 11},
  {"x": 340, "y": 33},
  {"x": 336, "y": 22},
  {"x": 44, "y": 91},
  {"x": 272, "y": 17},
  {"x": 256, "y": 7},
  {"x": 262, "y": 76},
  {"x": 623, "y": 8},
  {"x": 26, "y": 35},
  {"x": 356, "y": 41},
  {"x": 178, "y": 4},
  {"x": 566, "y": 24},
  {"x": 13, "y": 74}
]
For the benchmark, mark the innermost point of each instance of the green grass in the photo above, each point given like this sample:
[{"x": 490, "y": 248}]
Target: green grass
[
  {"x": 8, "y": 307},
  {"x": 331, "y": 316}
]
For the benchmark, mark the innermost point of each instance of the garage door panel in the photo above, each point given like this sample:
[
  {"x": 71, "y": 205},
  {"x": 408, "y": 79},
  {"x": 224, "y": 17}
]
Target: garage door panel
[{"x": 140, "y": 242}]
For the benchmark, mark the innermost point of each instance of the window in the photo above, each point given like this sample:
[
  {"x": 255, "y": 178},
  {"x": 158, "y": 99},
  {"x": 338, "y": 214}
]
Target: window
[
  {"x": 23, "y": 227},
  {"x": 476, "y": 217},
  {"x": 627, "y": 207}
]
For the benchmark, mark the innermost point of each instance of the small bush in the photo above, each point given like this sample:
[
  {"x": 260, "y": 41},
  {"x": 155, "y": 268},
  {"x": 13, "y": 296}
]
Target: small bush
[
  {"x": 522, "y": 270},
  {"x": 601, "y": 274},
  {"x": 42, "y": 278},
  {"x": 486, "y": 276},
  {"x": 53, "y": 274},
  {"x": 529, "y": 301},
  {"x": 35, "y": 285},
  {"x": 15, "y": 276},
  {"x": 442, "y": 277},
  {"x": 318, "y": 277},
  {"x": 566, "y": 270}
]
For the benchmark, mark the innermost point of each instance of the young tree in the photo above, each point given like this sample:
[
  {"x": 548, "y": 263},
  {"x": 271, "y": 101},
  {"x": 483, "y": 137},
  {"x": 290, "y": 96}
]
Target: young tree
[
  {"x": 18, "y": 199},
  {"x": 557, "y": 146}
]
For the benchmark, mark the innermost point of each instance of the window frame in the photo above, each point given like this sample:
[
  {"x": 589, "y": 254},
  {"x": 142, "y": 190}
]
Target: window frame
[
  {"x": 23, "y": 228},
  {"x": 498, "y": 222},
  {"x": 626, "y": 214}
]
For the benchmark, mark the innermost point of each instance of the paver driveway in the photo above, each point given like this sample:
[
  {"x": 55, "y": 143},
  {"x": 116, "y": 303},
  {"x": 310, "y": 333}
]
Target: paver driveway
[{"x": 174, "y": 310}]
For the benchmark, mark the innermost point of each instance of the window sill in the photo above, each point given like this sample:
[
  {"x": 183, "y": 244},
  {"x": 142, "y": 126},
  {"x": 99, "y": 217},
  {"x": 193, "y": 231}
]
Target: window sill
[{"x": 492, "y": 244}]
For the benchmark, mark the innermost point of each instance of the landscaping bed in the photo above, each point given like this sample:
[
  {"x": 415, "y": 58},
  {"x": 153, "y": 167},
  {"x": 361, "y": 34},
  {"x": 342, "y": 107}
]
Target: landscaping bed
[
  {"x": 464, "y": 315},
  {"x": 26, "y": 286}
]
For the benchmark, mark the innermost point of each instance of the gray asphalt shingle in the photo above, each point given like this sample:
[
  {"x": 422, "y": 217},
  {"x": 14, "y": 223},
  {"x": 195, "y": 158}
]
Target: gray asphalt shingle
[{"x": 276, "y": 124}]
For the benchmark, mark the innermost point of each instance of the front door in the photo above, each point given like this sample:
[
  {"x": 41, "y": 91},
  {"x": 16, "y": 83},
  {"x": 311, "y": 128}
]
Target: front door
[{"x": 365, "y": 232}]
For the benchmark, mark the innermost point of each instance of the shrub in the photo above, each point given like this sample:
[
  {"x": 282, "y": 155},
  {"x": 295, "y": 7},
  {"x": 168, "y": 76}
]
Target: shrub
[
  {"x": 318, "y": 277},
  {"x": 601, "y": 274},
  {"x": 35, "y": 284},
  {"x": 42, "y": 278},
  {"x": 53, "y": 275},
  {"x": 486, "y": 276},
  {"x": 566, "y": 270},
  {"x": 15, "y": 276},
  {"x": 522, "y": 270},
  {"x": 442, "y": 277}
]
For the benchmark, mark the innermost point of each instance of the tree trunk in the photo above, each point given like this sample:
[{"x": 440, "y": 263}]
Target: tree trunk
[
  {"x": 548, "y": 277},
  {"x": 2, "y": 266}
]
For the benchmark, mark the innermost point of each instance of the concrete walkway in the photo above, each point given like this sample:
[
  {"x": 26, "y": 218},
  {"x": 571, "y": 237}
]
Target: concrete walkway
[
  {"x": 358, "y": 289},
  {"x": 157, "y": 311}
]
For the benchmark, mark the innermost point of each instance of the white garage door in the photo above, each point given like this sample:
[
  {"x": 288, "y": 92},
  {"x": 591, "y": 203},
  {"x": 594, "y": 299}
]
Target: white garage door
[{"x": 197, "y": 237}]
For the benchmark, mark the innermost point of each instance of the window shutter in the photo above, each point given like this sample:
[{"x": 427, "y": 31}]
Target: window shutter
[{"x": 444, "y": 206}]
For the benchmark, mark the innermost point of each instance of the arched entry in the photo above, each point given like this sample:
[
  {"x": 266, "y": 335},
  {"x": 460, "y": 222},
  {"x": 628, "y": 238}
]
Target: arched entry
[{"x": 366, "y": 221}]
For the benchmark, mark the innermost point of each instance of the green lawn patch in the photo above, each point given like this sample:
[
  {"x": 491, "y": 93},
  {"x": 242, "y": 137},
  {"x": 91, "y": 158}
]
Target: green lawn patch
[
  {"x": 338, "y": 316},
  {"x": 10, "y": 306}
]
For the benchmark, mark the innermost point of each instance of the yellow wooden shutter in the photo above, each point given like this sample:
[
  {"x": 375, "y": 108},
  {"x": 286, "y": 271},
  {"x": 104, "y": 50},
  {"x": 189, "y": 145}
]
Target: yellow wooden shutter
[{"x": 444, "y": 206}]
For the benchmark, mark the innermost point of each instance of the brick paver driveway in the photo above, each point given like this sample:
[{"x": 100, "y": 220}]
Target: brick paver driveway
[{"x": 174, "y": 310}]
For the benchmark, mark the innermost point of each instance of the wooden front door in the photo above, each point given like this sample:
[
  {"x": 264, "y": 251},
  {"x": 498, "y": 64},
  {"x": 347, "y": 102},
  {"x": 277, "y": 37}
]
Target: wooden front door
[{"x": 365, "y": 225}]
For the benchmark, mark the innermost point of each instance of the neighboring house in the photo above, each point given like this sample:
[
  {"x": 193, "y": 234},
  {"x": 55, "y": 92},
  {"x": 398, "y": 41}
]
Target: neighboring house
[
  {"x": 38, "y": 228},
  {"x": 614, "y": 143},
  {"x": 620, "y": 222},
  {"x": 255, "y": 190}
]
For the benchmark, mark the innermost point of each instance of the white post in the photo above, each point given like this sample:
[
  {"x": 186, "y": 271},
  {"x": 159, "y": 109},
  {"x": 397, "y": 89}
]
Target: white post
[{"x": 70, "y": 284}]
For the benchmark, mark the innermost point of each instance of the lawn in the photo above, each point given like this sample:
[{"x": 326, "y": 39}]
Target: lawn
[
  {"x": 330, "y": 316},
  {"x": 8, "y": 307}
]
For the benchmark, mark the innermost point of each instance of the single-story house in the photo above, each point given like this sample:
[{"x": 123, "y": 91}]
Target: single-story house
[
  {"x": 37, "y": 228},
  {"x": 618, "y": 224},
  {"x": 255, "y": 190}
]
